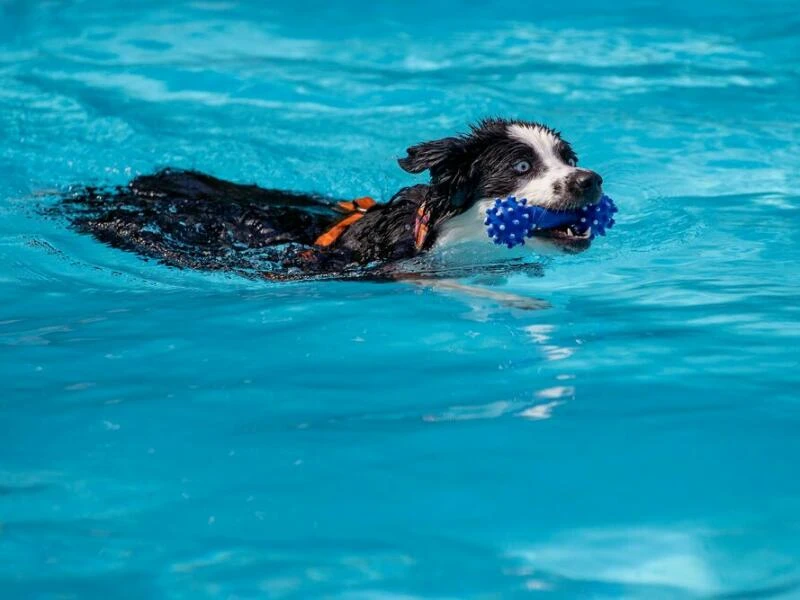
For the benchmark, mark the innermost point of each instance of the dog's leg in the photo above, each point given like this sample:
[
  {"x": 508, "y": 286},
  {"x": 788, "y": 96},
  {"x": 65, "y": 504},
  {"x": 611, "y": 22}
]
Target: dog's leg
[{"x": 474, "y": 291}]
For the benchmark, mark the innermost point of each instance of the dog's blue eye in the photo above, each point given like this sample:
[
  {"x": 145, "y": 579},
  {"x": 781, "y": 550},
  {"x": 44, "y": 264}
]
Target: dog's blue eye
[
  {"x": 572, "y": 162},
  {"x": 522, "y": 166}
]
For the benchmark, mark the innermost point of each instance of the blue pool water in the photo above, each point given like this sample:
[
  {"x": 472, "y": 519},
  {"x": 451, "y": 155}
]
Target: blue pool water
[{"x": 170, "y": 434}]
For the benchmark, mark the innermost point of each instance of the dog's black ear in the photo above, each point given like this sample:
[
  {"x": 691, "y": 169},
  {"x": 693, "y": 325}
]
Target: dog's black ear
[
  {"x": 450, "y": 162},
  {"x": 433, "y": 155}
]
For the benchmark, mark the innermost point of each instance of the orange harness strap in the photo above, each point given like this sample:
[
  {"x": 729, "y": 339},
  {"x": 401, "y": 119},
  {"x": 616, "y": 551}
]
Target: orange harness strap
[
  {"x": 358, "y": 208},
  {"x": 355, "y": 209}
]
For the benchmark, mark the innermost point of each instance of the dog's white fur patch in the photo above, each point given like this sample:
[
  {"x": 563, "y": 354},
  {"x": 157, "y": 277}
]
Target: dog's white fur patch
[
  {"x": 539, "y": 190},
  {"x": 466, "y": 227}
]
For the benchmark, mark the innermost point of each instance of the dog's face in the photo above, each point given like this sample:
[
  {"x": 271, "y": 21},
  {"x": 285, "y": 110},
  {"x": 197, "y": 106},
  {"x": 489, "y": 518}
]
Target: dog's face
[{"x": 500, "y": 158}]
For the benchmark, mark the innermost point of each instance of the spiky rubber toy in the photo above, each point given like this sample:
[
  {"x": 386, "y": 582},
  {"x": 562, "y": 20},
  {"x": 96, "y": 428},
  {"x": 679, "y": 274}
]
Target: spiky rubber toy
[{"x": 510, "y": 221}]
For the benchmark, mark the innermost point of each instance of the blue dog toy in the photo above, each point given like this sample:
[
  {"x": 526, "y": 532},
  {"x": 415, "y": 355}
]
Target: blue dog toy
[{"x": 510, "y": 221}]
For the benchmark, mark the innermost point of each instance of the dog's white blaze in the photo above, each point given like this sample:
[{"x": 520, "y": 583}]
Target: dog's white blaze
[{"x": 539, "y": 190}]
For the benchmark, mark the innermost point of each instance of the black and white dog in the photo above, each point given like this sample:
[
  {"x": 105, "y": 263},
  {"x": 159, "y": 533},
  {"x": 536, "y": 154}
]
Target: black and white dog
[{"x": 188, "y": 219}]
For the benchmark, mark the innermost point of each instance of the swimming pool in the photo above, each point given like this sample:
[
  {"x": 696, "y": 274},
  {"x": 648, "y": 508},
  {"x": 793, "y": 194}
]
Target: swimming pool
[{"x": 174, "y": 434}]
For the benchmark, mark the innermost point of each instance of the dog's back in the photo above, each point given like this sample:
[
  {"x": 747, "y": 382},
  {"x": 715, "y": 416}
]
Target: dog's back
[{"x": 189, "y": 219}]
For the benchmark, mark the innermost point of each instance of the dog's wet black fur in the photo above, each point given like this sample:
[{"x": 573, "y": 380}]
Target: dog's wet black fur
[{"x": 193, "y": 220}]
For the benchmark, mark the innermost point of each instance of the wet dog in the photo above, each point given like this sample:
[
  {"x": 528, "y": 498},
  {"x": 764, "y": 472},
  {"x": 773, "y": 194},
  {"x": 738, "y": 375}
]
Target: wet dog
[{"x": 192, "y": 220}]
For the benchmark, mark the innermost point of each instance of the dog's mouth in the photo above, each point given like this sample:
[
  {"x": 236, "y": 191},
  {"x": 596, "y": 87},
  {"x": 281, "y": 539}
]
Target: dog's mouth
[
  {"x": 564, "y": 232},
  {"x": 576, "y": 227}
]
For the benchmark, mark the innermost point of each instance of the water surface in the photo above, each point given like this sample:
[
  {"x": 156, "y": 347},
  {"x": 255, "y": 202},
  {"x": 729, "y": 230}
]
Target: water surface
[{"x": 170, "y": 434}]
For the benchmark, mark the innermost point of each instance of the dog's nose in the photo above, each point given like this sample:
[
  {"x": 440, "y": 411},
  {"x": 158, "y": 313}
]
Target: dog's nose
[{"x": 588, "y": 180}]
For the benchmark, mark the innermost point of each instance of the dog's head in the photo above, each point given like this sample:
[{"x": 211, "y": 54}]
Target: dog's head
[{"x": 500, "y": 158}]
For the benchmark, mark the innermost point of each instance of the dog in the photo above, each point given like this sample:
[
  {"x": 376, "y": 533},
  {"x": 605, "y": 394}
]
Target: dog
[{"x": 193, "y": 220}]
